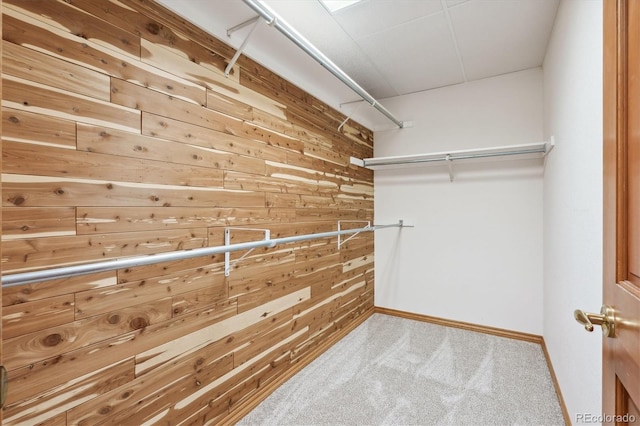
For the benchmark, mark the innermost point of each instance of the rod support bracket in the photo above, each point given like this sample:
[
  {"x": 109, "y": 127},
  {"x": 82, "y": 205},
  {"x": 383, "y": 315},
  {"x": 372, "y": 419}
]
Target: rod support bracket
[
  {"x": 227, "y": 242},
  {"x": 234, "y": 59},
  {"x": 340, "y": 242}
]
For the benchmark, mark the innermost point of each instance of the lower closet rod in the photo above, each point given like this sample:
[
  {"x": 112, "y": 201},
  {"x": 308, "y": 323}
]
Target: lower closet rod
[{"x": 110, "y": 265}]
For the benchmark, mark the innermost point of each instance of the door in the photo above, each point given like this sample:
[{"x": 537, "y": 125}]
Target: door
[{"x": 621, "y": 281}]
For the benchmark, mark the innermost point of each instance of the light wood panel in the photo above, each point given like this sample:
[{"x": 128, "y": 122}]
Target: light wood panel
[{"x": 122, "y": 137}]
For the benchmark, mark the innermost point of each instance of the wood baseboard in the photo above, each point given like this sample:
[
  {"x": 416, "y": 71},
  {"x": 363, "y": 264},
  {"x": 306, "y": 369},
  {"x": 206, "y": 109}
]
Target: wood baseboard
[
  {"x": 556, "y": 385},
  {"x": 534, "y": 338},
  {"x": 464, "y": 325},
  {"x": 262, "y": 393}
]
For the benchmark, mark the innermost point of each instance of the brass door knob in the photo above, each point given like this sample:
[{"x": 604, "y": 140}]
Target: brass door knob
[{"x": 606, "y": 319}]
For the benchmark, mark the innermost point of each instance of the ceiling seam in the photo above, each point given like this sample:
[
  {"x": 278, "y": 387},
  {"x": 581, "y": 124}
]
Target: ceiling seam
[
  {"x": 445, "y": 8},
  {"x": 372, "y": 63}
]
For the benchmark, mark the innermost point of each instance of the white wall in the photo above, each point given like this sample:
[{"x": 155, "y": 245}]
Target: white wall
[
  {"x": 573, "y": 201},
  {"x": 475, "y": 254}
]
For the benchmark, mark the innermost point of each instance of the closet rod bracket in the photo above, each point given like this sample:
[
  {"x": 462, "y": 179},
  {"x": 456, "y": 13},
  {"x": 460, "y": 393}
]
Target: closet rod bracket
[
  {"x": 232, "y": 62},
  {"x": 340, "y": 222},
  {"x": 227, "y": 242}
]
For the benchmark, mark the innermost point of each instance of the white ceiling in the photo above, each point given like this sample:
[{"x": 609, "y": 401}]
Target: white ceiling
[{"x": 389, "y": 47}]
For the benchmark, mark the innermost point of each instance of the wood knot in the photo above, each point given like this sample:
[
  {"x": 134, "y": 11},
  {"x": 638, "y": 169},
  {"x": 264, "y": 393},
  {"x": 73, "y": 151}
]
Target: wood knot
[
  {"x": 17, "y": 200},
  {"x": 113, "y": 319},
  {"x": 52, "y": 340},
  {"x": 138, "y": 323},
  {"x": 153, "y": 28},
  {"x": 14, "y": 119}
]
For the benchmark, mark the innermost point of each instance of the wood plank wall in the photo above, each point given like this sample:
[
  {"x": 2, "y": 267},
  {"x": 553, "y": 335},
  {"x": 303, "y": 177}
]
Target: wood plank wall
[{"x": 121, "y": 136}]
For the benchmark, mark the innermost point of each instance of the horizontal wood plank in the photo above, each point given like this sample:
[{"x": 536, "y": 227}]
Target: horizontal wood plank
[
  {"x": 117, "y": 143},
  {"x": 53, "y": 288},
  {"x": 29, "y": 64},
  {"x": 41, "y": 191},
  {"x": 100, "y": 220},
  {"x": 29, "y": 317},
  {"x": 106, "y": 299},
  {"x": 68, "y": 395},
  {"x": 33, "y": 97},
  {"x": 189, "y": 133},
  {"x": 52, "y": 371},
  {"x": 29, "y": 159},
  {"x": 216, "y": 81},
  {"x": 21, "y": 255},
  {"x": 38, "y": 128},
  {"x": 34, "y": 222},
  {"x": 31, "y": 32},
  {"x": 79, "y": 23},
  {"x": 53, "y": 341}
]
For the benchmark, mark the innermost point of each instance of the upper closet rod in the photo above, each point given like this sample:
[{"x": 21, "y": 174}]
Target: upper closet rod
[
  {"x": 542, "y": 148},
  {"x": 111, "y": 265},
  {"x": 276, "y": 21}
]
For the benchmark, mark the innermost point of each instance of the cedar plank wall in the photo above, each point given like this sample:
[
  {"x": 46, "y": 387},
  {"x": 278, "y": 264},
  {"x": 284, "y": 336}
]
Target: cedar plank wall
[{"x": 121, "y": 136}]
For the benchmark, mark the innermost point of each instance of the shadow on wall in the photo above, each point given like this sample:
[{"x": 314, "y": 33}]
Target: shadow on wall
[{"x": 391, "y": 267}]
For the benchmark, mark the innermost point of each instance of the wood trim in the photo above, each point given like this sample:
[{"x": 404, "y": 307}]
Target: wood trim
[
  {"x": 609, "y": 131},
  {"x": 556, "y": 384},
  {"x": 622, "y": 222},
  {"x": 510, "y": 334},
  {"x": 252, "y": 402},
  {"x": 500, "y": 332},
  {"x": 1, "y": 133}
]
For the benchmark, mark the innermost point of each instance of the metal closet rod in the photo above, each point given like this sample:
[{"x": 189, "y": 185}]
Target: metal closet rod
[
  {"x": 111, "y": 265},
  {"x": 542, "y": 148},
  {"x": 277, "y": 22}
]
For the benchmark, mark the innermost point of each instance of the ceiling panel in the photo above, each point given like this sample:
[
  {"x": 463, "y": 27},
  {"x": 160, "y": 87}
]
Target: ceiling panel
[
  {"x": 500, "y": 36},
  {"x": 372, "y": 16},
  {"x": 415, "y": 55}
]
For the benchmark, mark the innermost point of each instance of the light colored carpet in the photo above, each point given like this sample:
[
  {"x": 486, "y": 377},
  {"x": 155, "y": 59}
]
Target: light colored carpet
[{"x": 395, "y": 371}]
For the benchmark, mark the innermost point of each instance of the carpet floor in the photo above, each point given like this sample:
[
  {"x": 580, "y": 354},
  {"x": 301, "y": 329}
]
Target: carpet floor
[{"x": 396, "y": 371}]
